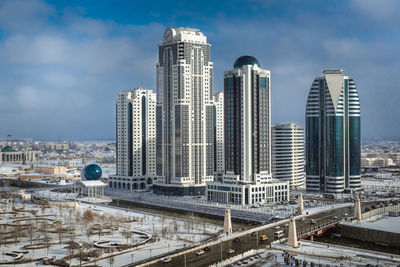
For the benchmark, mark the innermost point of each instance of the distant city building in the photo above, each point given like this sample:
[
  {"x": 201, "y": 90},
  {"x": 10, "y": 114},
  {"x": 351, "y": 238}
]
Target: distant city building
[
  {"x": 136, "y": 144},
  {"x": 247, "y": 178},
  {"x": 57, "y": 146},
  {"x": 377, "y": 162},
  {"x": 288, "y": 154},
  {"x": 333, "y": 152},
  {"x": 185, "y": 151},
  {"x": 219, "y": 133},
  {"x": 10, "y": 155}
]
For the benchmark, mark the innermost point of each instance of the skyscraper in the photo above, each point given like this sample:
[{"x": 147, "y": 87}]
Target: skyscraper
[
  {"x": 333, "y": 152},
  {"x": 185, "y": 151},
  {"x": 247, "y": 178},
  {"x": 288, "y": 154},
  {"x": 136, "y": 144},
  {"x": 219, "y": 133},
  {"x": 247, "y": 119}
]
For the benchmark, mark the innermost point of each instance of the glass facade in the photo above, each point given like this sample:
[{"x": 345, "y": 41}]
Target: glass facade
[
  {"x": 312, "y": 146},
  {"x": 355, "y": 145},
  {"x": 333, "y": 146}
]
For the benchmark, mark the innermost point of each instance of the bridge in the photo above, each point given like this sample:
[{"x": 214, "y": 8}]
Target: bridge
[{"x": 318, "y": 230}]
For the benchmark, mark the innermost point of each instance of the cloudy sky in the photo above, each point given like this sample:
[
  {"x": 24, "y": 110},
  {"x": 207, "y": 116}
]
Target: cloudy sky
[{"x": 62, "y": 63}]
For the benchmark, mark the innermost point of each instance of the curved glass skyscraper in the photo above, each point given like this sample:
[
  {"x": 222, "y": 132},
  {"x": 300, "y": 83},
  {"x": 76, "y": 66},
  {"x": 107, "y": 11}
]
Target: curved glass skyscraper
[{"x": 333, "y": 152}]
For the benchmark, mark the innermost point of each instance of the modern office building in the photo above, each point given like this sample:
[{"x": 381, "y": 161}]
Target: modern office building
[
  {"x": 333, "y": 151},
  {"x": 247, "y": 178},
  {"x": 219, "y": 133},
  {"x": 185, "y": 150},
  {"x": 136, "y": 140},
  {"x": 288, "y": 154},
  {"x": 247, "y": 119}
]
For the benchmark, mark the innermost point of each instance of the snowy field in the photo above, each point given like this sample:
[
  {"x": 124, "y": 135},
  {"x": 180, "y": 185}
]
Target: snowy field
[
  {"x": 91, "y": 235},
  {"x": 380, "y": 223}
]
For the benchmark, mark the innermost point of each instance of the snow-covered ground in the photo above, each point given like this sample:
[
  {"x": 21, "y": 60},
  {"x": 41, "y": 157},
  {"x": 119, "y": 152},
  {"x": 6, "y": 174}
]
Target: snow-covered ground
[
  {"x": 318, "y": 253},
  {"x": 39, "y": 226},
  {"x": 380, "y": 222}
]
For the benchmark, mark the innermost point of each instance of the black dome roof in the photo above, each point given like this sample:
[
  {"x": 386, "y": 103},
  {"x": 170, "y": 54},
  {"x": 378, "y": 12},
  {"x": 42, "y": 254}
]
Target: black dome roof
[{"x": 246, "y": 60}]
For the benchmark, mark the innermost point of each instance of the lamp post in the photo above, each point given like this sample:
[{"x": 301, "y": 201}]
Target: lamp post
[{"x": 221, "y": 251}]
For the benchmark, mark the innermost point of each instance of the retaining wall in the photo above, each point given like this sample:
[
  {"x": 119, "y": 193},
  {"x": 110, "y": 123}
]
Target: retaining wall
[{"x": 370, "y": 235}]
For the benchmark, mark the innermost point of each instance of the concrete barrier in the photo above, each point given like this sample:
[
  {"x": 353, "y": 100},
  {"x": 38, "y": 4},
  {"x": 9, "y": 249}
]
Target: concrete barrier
[{"x": 378, "y": 211}]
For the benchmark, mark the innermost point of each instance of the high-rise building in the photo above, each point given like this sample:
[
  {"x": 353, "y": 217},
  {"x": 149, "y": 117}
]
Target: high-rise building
[
  {"x": 288, "y": 154},
  {"x": 136, "y": 140},
  {"x": 247, "y": 178},
  {"x": 333, "y": 151},
  {"x": 247, "y": 119},
  {"x": 219, "y": 133},
  {"x": 185, "y": 150}
]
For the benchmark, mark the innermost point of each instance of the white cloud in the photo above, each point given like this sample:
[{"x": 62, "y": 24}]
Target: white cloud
[
  {"x": 25, "y": 15},
  {"x": 380, "y": 10}
]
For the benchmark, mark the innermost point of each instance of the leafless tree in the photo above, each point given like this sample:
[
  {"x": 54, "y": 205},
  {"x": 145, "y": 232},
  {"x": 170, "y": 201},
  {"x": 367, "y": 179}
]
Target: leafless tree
[{"x": 127, "y": 234}]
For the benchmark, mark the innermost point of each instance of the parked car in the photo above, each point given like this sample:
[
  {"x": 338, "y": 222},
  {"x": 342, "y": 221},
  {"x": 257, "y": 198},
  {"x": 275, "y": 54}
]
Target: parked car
[
  {"x": 237, "y": 239},
  {"x": 277, "y": 227},
  {"x": 199, "y": 252},
  {"x": 167, "y": 260},
  {"x": 230, "y": 251},
  {"x": 263, "y": 238},
  {"x": 207, "y": 248}
]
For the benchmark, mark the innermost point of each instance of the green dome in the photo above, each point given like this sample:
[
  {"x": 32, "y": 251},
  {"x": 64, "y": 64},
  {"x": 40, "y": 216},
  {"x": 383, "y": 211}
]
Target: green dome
[
  {"x": 246, "y": 60},
  {"x": 91, "y": 172},
  {"x": 8, "y": 149}
]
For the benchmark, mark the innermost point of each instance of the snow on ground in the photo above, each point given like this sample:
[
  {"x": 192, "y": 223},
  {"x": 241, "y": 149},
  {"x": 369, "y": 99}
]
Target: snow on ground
[
  {"x": 333, "y": 254},
  {"x": 168, "y": 233},
  {"x": 380, "y": 223},
  {"x": 324, "y": 208},
  {"x": 315, "y": 252}
]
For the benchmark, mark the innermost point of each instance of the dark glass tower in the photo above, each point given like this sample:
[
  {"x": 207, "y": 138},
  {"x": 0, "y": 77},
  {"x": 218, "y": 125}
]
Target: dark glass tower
[
  {"x": 247, "y": 119},
  {"x": 333, "y": 149}
]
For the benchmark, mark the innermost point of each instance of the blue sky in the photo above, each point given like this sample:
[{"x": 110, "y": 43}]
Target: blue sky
[{"x": 62, "y": 63}]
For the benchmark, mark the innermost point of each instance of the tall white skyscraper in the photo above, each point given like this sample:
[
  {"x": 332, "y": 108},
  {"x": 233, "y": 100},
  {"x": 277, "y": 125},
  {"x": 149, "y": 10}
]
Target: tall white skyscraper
[
  {"x": 288, "y": 154},
  {"x": 219, "y": 134},
  {"x": 136, "y": 140},
  {"x": 185, "y": 151}
]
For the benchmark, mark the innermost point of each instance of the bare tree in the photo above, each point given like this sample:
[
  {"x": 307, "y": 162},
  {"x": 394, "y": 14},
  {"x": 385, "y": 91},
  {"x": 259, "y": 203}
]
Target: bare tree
[
  {"x": 88, "y": 216},
  {"x": 111, "y": 261},
  {"x": 59, "y": 231},
  {"x": 127, "y": 234}
]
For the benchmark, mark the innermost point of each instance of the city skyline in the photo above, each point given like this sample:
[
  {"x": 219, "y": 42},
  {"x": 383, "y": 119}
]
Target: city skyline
[{"x": 62, "y": 64}]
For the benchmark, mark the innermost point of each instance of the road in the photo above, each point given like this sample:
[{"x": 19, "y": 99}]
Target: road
[{"x": 250, "y": 241}]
